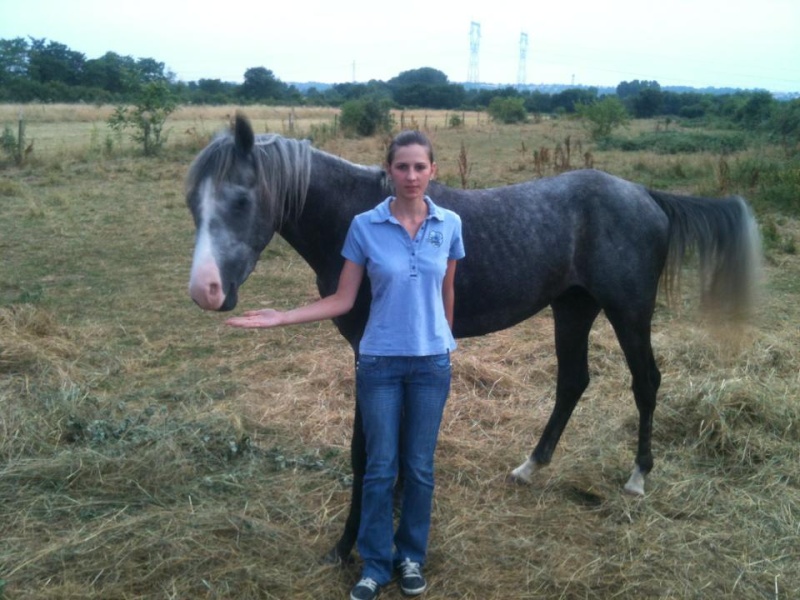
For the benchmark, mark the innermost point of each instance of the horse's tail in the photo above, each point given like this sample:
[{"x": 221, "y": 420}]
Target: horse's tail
[{"x": 723, "y": 234}]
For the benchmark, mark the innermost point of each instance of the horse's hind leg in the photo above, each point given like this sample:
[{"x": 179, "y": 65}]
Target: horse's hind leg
[
  {"x": 634, "y": 338},
  {"x": 573, "y": 313}
]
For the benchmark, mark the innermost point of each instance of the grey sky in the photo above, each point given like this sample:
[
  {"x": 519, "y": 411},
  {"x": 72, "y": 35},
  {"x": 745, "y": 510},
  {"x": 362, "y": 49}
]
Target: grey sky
[{"x": 733, "y": 43}]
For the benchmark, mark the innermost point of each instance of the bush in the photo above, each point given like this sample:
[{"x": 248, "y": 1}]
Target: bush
[
  {"x": 154, "y": 104},
  {"x": 455, "y": 121},
  {"x": 8, "y": 142},
  {"x": 785, "y": 126},
  {"x": 508, "y": 110},
  {"x": 366, "y": 116},
  {"x": 778, "y": 185},
  {"x": 14, "y": 146},
  {"x": 603, "y": 116}
]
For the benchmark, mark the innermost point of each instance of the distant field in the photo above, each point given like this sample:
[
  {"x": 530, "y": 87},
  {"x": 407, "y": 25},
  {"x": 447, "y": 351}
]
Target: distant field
[
  {"x": 60, "y": 128},
  {"x": 147, "y": 451}
]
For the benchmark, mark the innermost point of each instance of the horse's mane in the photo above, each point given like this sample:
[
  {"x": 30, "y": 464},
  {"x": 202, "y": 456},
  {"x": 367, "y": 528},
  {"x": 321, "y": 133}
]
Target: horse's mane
[{"x": 282, "y": 170}]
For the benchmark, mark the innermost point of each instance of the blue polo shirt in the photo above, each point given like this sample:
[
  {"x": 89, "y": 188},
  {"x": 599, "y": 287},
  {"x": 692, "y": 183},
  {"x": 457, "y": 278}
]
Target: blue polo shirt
[{"x": 406, "y": 317}]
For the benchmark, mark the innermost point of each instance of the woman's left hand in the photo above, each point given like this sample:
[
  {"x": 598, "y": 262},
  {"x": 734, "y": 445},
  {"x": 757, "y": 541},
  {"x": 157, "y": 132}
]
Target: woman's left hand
[{"x": 252, "y": 319}]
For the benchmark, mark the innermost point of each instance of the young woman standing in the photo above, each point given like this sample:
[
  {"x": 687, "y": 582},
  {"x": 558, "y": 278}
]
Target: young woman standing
[{"x": 408, "y": 247}]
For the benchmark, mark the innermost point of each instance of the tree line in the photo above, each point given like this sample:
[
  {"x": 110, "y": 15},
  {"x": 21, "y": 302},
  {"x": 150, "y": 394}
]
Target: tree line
[{"x": 47, "y": 71}]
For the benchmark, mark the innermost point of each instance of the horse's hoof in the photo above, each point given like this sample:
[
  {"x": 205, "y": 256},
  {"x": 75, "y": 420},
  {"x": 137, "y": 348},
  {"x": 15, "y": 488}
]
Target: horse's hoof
[
  {"x": 633, "y": 490},
  {"x": 635, "y": 485},
  {"x": 523, "y": 474}
]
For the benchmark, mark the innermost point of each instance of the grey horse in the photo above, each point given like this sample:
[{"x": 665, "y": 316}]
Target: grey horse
[{"x": 581, "y": 242}]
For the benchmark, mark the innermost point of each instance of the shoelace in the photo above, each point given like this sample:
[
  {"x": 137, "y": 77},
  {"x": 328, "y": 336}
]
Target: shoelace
[
  {"x": 368, "y": 582},
  {"x": 409, "y": 568}
]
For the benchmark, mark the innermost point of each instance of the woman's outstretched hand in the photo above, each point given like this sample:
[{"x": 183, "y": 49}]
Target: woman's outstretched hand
[{"x": 252, "y": 319}]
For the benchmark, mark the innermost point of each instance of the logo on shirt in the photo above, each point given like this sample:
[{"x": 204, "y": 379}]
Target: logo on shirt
[{"x": 436, "y": 238}]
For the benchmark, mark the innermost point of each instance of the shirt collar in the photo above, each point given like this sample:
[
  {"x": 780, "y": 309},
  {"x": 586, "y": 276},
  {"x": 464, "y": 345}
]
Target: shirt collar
[{"x": 382, "y": 212}]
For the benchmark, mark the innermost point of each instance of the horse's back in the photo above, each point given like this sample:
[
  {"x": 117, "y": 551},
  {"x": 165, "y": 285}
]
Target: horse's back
[
  {"x": 560, "y": 204},
  {"x": 529, "y": 243}
]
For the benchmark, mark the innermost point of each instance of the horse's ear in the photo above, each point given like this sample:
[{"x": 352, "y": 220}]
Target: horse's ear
[{"x": 243, "y": 133}]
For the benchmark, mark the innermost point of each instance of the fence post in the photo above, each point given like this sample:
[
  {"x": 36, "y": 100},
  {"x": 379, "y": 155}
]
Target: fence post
[{"x": 20, "y": 138}]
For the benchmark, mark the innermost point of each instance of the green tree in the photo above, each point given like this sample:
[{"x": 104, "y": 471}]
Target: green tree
[
  {"x": 430, "y": 95},
  {"x": 147, "y": 117},
  {"x": 342, "y": 92},
  {"x": 647, "y": 103},
  {"x": 113, "y": 73},
  {"x": 685, "y": 104},
  {"x": 631, "y": 89},
  {"x": 426, "y": 87},
  {"x": 54, "y": 62},
  {"x": 425, "y": 76},
  {"x": 13, "y": 59},
  {"x": 537, "y": 102},
  {"x": 260, "y": 85},
  {"x": 149, "y": 70},
  {"x": 756, "y": 111},
  {"x": 602, "y": 117},
  {"x": 212, "y": 91},
  {"x": 569, "y": 99}
]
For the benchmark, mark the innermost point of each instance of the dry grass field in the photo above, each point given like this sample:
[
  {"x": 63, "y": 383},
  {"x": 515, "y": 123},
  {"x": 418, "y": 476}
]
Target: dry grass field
[{"x": 147, "y": 451}]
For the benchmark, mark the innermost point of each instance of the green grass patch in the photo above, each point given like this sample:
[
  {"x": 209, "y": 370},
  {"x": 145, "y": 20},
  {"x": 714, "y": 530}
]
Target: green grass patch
[{"x": 679, "y": 142}]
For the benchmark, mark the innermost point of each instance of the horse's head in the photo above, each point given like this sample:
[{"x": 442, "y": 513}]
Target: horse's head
[{"x": 226, "y": 195}]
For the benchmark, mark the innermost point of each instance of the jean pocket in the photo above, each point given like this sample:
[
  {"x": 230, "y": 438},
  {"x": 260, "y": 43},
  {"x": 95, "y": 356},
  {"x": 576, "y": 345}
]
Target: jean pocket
[
  {"x": 439, "y": 362},
  {"x": 368, "y": 363}
]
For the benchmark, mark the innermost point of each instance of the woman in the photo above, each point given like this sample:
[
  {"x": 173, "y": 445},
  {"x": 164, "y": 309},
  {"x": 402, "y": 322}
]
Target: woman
[{"x": 408, "y": 247}]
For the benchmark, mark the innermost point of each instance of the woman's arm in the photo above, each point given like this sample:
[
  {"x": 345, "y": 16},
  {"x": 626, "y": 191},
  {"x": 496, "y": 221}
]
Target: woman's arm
[
  {"x": 339, "y": 303},
  {"x": 448, "y": 291}
]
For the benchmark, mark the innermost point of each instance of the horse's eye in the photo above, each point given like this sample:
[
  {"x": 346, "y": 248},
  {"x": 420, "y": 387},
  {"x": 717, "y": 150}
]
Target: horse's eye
[{"x": 240, "y": 204}]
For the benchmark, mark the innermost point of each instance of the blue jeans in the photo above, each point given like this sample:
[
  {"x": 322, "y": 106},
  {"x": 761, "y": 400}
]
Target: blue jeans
[{"x": 401, "y": 399}]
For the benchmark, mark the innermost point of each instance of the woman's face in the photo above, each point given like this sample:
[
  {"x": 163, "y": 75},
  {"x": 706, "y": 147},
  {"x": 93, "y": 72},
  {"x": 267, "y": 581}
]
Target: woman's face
[{"x": 411, "y": 170}]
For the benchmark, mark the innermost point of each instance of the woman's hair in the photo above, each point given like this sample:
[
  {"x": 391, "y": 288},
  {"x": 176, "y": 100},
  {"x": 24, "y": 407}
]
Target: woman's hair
[{"x": 408, "y": 138}]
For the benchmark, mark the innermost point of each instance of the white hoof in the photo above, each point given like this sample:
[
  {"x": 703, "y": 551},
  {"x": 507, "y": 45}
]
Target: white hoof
[
  {"x": 635, "y": 485},
  {"x": 524, "y": 472}
]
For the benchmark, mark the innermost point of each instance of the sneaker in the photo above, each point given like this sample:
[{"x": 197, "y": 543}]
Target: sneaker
[
  {"x": 366, "y": 589},
  {"x": 412, "y": 583}
]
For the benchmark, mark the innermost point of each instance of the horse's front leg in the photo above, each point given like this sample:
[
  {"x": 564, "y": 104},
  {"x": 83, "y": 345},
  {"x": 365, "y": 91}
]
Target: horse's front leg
[
  {"x": 341, "y": 552},
  {"x": 570, "y": 387},
  {"x": 573, "y": 314},
  {"x": 543, "y": 453}
]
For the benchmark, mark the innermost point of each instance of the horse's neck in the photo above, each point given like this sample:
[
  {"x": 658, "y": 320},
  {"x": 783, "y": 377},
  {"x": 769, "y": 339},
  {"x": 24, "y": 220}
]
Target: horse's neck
[{"x": 337, "y": 192}]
